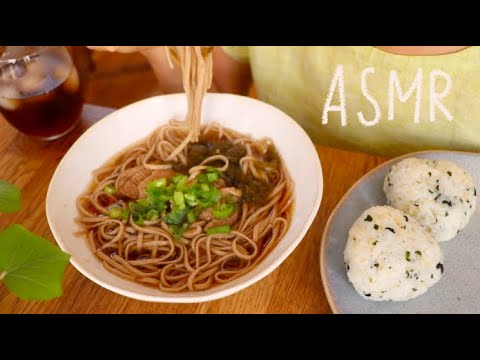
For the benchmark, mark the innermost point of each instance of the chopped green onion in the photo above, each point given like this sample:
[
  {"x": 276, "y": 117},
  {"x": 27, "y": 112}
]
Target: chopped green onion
[
  {"x": 222, "y": 211},
  {"x": 115, "y": 212},
  {"x": 202, "y": 179},
  {"x": 126, "y": 214},
  {"x": 179, "y": 179},
  {"x": 212, "y": 177},
  {"x": 176, "y": 217},
  {"x": 168, "y": 190},
  {"x": 178, "y": 230},
  {"x": 207, "y": 199},
  {"x": 225, "y": 229},
  {"x": 191, "y": 217},
  {"x": 191, "y": 199},
  {"x": 179, "y": 200},
  {"x": 179, "y": 203},
  {"x": 137, "y": 218},
  {"x": 216, "y": 195},
  {"x": 152, "y": 215},
  {"x": 131, "y": 206},
  {"x": 164, "y": 197},
  {"x": 143, "y": 203},
  {"x": 156, "y": 184},
  {"x": 211, "y": 169},
  {"x": 110, "y": 190},
  {"x": 160, "y": 207}
]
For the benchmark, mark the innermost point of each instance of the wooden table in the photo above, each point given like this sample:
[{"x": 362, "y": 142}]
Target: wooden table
[{"x": 294, "y": 287}]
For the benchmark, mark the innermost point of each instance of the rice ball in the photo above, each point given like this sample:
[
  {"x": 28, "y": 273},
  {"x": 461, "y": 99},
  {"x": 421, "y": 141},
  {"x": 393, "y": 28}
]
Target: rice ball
[
  {"x": 439, "y": 194},
  {"x": 390, "y": 257}
]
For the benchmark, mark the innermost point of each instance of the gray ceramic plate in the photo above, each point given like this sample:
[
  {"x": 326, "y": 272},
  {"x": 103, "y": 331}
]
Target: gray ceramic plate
[{"x": 459, "y": 289}]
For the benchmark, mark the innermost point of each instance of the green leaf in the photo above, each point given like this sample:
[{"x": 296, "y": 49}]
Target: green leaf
[
  {"x": 9, "y": 197},
  {"x": 31, "y": 266}
]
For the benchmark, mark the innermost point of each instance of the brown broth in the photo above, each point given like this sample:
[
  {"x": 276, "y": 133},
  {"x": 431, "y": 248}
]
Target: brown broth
[{"x": 255, "y": 192}]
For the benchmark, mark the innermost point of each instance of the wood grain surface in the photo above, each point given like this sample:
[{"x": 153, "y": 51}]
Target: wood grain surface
[{"x": 294, "y": 287}]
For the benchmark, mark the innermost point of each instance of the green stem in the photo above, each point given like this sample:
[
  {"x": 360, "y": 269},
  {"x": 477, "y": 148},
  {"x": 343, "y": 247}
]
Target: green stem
[{"x": 2, "y": 275}]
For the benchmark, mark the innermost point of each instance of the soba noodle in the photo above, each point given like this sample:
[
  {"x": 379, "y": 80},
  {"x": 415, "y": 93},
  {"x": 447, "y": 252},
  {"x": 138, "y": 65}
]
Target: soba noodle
[
  {"x": 197, "y": 77},
  {"x": 252, "y": 188}
]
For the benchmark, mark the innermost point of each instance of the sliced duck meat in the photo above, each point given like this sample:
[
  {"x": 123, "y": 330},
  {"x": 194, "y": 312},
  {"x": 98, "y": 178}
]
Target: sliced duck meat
[{"x": 132, "y": 182}]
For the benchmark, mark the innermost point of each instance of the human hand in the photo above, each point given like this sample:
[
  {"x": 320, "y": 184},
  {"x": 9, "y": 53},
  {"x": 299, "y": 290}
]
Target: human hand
[
  {"x": 228, "y": 75},
  {"x": 170, "y": 80}
]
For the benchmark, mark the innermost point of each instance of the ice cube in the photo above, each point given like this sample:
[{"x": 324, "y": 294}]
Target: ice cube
[
  {"x": 37, "y": 67},
  {"x": 32, "y": 83},
  {"x": 9, "y": 104},
  {"x": 9, "y": 92},
  {"x": 4, "y": 76},
  {"x": 61, "y": 72},
  {"x": 12, "y": 71},
  {"x": 73, "y": 82}
]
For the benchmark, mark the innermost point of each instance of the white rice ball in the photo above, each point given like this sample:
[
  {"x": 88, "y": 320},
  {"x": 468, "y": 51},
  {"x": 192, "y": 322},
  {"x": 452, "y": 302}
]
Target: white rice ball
[
  {"x": 439, "y": 194},
  {"x": 390, "y": 257}
]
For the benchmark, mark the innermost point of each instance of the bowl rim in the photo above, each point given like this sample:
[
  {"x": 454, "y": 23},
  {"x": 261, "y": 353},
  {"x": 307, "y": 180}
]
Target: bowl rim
[{"x": 197, "y": 297}]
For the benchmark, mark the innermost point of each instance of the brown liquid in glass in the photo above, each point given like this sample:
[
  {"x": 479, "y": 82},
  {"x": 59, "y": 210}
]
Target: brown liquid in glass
[{"x": 47, "y": 115}]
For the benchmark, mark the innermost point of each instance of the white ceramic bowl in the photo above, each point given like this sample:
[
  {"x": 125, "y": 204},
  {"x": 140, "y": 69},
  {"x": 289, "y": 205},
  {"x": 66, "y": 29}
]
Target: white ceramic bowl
[{"x": 123, "y": 127}]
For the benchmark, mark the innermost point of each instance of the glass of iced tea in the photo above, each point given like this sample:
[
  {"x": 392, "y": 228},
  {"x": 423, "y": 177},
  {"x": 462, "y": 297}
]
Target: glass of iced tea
[{"x": 40, "y": 90}]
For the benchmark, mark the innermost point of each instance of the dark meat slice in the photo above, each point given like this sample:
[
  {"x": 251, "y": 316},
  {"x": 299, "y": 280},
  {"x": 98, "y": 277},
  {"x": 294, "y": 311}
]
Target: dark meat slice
[
  {"x": 156, "y": 175},
  {"x": 128, "y": 181},
  {"x": 219, "y": 183},
  {"x": 235, "y": 193},
  {"x": 132, "y": 182},
  {"x": 235, "y": 196},
  {"x": 206, "y": 215}
]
